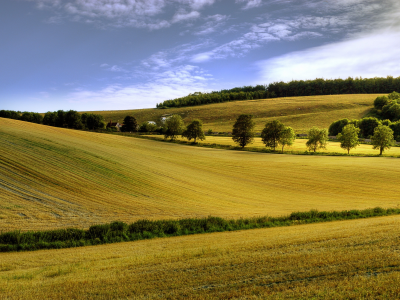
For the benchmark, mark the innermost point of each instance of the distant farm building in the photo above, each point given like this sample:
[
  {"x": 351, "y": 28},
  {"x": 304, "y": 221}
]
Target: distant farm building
[{"x": 116, "y": 125}]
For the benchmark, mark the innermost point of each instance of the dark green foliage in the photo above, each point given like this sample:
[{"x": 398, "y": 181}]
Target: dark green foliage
[
  {"x": 73, "y": 120},
  {"x": 367, "y": 126},
  {"x": 242, "y": 132},
  {"x": 147, "y": 127},
  {"x": 336, "y": 127},
  {"x": 391, "y": 111},
  {"x": 50, "y": 118},
  {"x": 396, "y": 130},
  {"x": 93, "y": 121},
  {"x": 10, "y": 114},
  {"x": 292, "y": 89},
  {"x": 130, "y": 124},
  {"x": 174, "y": 127},
  {"x": 381, "y": 102},
  {"x": 146, "y": 229},
  {"x": 272, "y": 133},
  {"x": 31, "y": 117},
  {"x": 194, "y": 131}
]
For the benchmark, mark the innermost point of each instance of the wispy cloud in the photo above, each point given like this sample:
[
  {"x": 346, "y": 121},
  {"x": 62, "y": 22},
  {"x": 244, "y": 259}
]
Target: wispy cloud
[
  {"x": 149, "y": 14},
  {"x": 250, "y": 3},
  {"x": 173, "y": 83}
]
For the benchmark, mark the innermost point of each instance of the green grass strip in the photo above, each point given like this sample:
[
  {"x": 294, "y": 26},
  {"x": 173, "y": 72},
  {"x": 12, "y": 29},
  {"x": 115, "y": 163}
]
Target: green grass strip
[{"x": 145, "y": 229}]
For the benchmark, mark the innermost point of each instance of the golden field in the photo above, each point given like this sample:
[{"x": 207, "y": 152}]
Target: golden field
[
  {"x": 52, "y": 177},
  {"x": 299, "y": 145},
  {"x": 301, "y": 113},
  {"x": 356, "y": 259}
]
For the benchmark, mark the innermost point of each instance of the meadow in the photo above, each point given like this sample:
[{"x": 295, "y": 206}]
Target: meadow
[
  {"x": 301, "y": 113},
  {"x": 56, "y": 178},
  {"x": 299, "y": 146},
  {"x": 356, "y": 259}
]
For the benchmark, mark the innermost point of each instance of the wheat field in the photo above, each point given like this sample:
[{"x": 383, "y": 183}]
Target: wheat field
[
  {"x": 357, "y": 259},
  {"x": 52, "y": 177},
  {"x": 299, "y": 145},
  {"x": 301, "y": 113}
]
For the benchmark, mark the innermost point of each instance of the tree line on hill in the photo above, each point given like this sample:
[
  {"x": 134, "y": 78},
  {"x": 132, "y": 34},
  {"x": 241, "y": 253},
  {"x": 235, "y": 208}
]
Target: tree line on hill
[
  {"x": 274, "y": 134},
  {"x": 293, "y": 88},
  {"x": 66, "y": 119},
  {"x": 387, "y": 111}
]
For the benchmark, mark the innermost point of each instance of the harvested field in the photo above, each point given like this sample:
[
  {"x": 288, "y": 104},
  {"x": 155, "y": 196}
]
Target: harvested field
[
  {"x": 342, "y": 260},
  {"x": 52, "y": 177}
]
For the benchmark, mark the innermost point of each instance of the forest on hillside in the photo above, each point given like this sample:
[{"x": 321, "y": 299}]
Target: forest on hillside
[{"x": 377, "y": 85}]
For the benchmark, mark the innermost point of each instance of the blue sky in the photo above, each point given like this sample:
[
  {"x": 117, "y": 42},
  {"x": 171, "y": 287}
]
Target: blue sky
[{"x": 128, "y": 54}]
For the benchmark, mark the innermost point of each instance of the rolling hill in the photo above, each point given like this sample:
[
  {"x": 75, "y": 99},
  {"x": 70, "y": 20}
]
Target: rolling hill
[
  {"x": 301, "y": 113},
  {"x": 52, "y": 177}
]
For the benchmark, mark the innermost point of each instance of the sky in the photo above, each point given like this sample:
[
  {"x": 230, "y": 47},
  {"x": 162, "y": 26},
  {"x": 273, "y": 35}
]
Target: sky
[{"x": 91, "y": 55}]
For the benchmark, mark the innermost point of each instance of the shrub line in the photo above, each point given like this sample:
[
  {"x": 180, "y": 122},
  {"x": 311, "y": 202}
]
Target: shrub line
[{"x": 118, "y": 231}]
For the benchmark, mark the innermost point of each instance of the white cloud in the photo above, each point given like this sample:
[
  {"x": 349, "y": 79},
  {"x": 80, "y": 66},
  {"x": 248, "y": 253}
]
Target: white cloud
[
  {"x": 250, "y": 3},
  {"x": 184, "y": 16},
  {"x": 174, "y": 83},
  {"x": 375, "y": 54}
]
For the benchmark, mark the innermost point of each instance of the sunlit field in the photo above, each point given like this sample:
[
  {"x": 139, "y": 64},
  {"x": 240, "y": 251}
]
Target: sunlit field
[
  {"x": 301, "y": 113},
  {"x": 356, "y": 259},
  {"x": 52, "y": 177},
  {"x": 298, "y": 146}
]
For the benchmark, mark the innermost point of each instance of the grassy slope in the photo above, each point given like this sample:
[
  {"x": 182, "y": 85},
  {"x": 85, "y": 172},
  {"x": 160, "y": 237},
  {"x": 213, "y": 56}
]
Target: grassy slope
[
  {"x": 52, "y": 177},
  {"x": 299, "y": 112},
  {"x": 342, "y": 260}
]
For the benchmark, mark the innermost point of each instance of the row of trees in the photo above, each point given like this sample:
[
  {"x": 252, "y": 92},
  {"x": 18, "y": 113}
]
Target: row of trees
[
  {"x": 60, "y": 118},
  {"x": 23, "y": 116},
  {"x": 290, "y": 89},
  {"x": 275, "y": 133},
  {"x": 387, "y": 107}
]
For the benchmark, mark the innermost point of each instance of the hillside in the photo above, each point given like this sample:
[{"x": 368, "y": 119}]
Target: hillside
[
  {"x": 301, "y": 113},
  {"x": 52, "y": 177},
  {"x": 355, "y": 259}
]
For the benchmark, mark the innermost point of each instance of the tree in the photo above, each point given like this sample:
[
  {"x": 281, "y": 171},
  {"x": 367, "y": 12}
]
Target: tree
[
  {"x": 317, "y": 139},
  {"x": 173, "y": 127},
  {"x": 148, "y": 127},
  {"x": 287, "y": 137},
  {"x": 336, "y": 127},
  {"x": 382, "y": 138},
  {"x": 130, "y": 124},
  {"x": 380, "y": 102},
  {"x": 272, "y": 134},
  {"x": 50, "y": 118},
  {"x": 348, "y": 138},
  {"x": 367, "y": 126},
  {"x": 242, "y": 132},
  {"x": 73, "y": 119},
  {"x": 194, "y": 131}
]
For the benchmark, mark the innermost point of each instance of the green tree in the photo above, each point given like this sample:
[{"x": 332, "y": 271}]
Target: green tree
[
  {"x": 367, "y": 126},
  {"x": 147, "y": 127},
  {"x": 130, "y": 124},
  {"x": 242, "y": 132},
  {"x": 272, "y": 134},
  {"x": 348, "y": 138},
  {"x": 382, "y": 138},
  {"x": 380, "y": 102},
  {"x": 317, "y": 139},
  {"x": 73, "y": 119},
  {"x": 50, "y": 118},
  {"x": 194, "y": 131},
  {"x": 288, "y": 136},
  {"x": 173, "y": 127}
]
